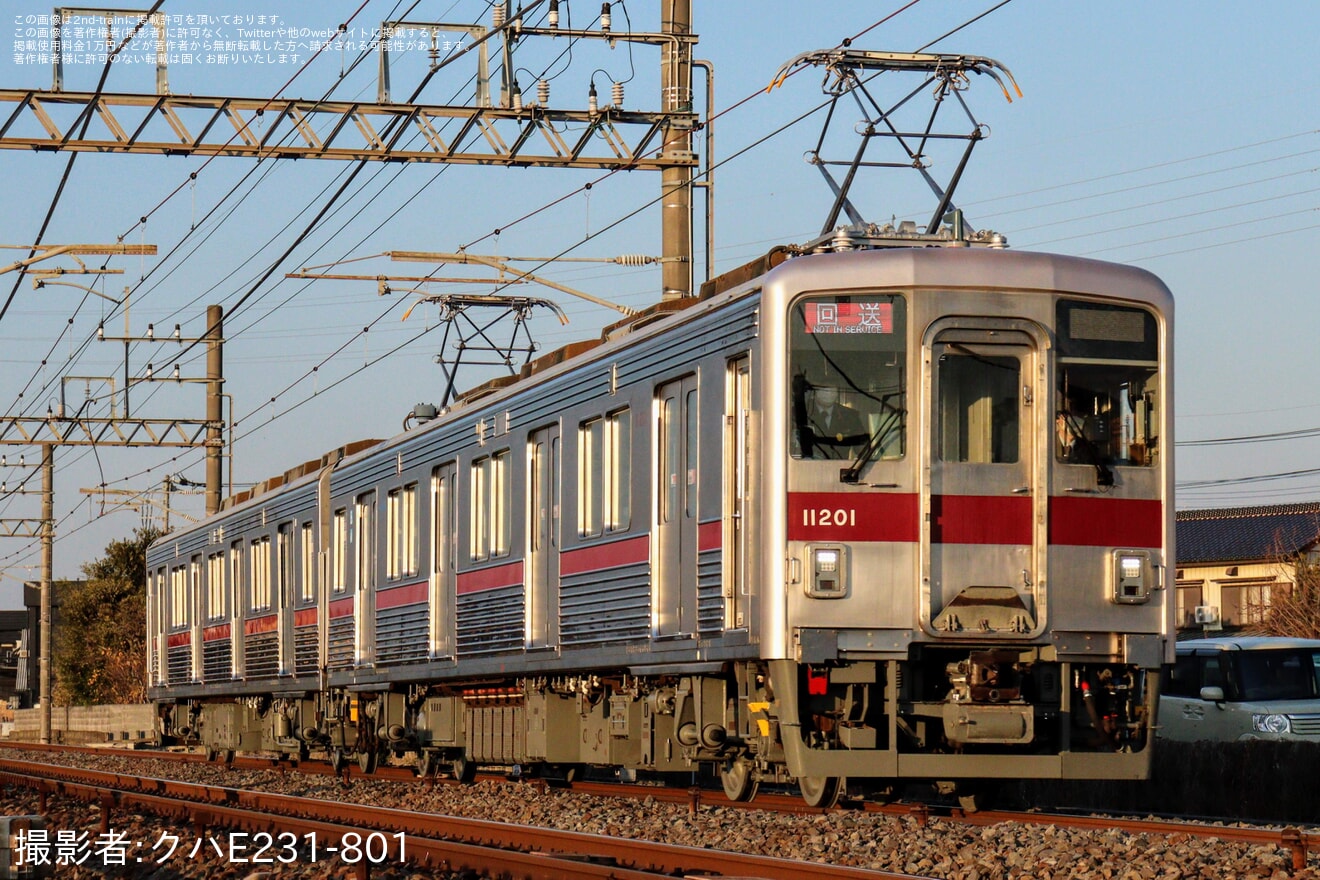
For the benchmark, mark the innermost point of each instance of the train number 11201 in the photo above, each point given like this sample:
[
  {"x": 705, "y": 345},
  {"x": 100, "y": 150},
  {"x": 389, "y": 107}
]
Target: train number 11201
[{"x": 825, "y": 516}]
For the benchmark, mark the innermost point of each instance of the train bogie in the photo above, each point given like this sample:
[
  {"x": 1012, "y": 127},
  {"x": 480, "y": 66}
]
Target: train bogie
[{"x": 895, "y": 514}]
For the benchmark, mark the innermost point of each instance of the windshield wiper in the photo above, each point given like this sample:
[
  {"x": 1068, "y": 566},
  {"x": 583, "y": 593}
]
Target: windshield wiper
[{"x": 852, "y": 473}]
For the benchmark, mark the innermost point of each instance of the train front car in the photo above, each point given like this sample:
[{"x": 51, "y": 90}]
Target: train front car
[{"x": 968, "y": 492}]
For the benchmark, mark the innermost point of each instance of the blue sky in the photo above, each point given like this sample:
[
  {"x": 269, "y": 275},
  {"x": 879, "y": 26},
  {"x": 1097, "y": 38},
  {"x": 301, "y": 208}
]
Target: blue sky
[{"x": 1179, "y": 139}]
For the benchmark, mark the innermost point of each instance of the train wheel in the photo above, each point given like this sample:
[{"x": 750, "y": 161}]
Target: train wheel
[
  {"x": 338, "y": 761},
  {"x": 367, "y": 760},
  {"x": 227, "y": 756},
  {"x": 212, "y": 754},
  {"x": 740, "y": 781},
  {"x": 464, "y": 770},
  {"x": 425, "y": 764},
  {"x": 821, "y": 791}
]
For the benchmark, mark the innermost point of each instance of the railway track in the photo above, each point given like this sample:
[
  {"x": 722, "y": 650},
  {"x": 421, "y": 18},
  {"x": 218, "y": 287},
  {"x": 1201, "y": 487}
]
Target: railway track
[
  {"x": 361, "y": 836},
  {"x": 1288, "y": 847}
]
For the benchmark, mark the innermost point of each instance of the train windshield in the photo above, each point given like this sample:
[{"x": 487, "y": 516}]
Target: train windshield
[
  {"x": 848, "y": 386},
  {"x": 1108, "y": 386}
]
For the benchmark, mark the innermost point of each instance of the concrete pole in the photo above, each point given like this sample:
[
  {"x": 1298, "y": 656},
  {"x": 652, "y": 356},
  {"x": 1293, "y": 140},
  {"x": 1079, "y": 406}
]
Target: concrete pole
[
  {"x": 47, "y": 566},
  {"x": 214, "y": 405},
  {"x": 676, "y": 183}
]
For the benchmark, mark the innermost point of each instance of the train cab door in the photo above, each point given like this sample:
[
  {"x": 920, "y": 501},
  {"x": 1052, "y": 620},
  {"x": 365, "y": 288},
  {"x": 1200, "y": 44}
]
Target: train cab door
[
  {"x": 444, "y": 557},
  {"x": 543, "y": 538},
  {"x": 674, "y": 595},
  {"x": 983, "y": 493},
  {"x": 738, "y": 477}
]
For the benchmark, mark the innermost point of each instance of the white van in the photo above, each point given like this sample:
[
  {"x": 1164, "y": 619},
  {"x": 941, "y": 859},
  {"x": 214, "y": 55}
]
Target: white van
[{"x": 1231, "y": 689}]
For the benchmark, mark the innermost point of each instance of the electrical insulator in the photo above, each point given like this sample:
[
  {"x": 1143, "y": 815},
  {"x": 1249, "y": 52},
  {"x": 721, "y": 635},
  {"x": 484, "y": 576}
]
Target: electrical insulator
[
  {"x": 176, "y": 373},
  {"x": 617, "y": 95},
  {"x": 553, "y": 17},
  {"x": 604, "y": 16},
  {"x": 498, "y": 13},
  {"x": 178, "y": 334},
  {"x": 151, "y": 331},
  {"x": 100, "y": 331},
  {"x": 543, "y": 93},
  {"x": 148, "y": 372},
  {"x": 515, "y": 96},
  {"x": 592, "y": 105},
  {"x": 634, "y": 260}
]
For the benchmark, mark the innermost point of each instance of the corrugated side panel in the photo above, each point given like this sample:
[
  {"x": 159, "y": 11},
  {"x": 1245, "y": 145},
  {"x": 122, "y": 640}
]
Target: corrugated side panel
[
  {"x": 710, "y": 591},
  {"x": 261, "y": 655},
  {"x": 491, "y": 621},
  {"x": 304, "y": 649},
  {"x": 599, "y": 607},
  {"x": 402, "y": 633},
  {"x": 218, "y": 659}
]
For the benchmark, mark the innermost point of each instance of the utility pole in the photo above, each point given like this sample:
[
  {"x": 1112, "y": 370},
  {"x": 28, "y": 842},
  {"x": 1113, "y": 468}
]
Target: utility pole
[
  {"x": 47, "y": 572},
  {"x": 676, "y": 176},
  {"x": 215, "y": 385}
]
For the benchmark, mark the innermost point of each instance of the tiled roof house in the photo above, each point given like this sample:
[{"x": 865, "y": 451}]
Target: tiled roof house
[{"x": 1231, "y": 558}]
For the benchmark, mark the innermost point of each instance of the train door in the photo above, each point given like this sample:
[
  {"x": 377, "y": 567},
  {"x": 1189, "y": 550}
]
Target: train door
[
  {"x": 983, "y": 493},
  {"x": 444, "y": 553},
  {"x": 543, "y": 538},
  {"x": 365, "y": 580},
  {"x": 737, "y": 443},
  {"x": 674, "y": 595}
]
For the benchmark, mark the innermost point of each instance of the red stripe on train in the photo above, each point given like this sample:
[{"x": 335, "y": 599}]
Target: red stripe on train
[
  {"x": 508, "y": 575},
  {"x": 304, "y": 617},
  {"x": 269, "y": 623},
  {"x": 852, "y": 516},
  {"x": 974, "y": 519},
  {"x": 395, "y": 597},
  {"x": 177, "y": 639},
  {"x": 980, "y": 519},
  {"x": 341, "y": 607},
  {"x": 215, "y": 633},
  {"x": 597, "y": 557},
  {"x": 1106, "y": 522}
]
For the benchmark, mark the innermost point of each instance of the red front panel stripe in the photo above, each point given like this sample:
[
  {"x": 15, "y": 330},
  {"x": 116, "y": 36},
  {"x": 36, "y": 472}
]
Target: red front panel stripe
[
  {"x": 265, "y": 624},
  {"x": 396, "y": 597},
  {"x": 177, "y": 639},
  {"x": 980, "y": 519},
  {"x": 215, "y": 633},
  {"x": 1106, "y": 522},
  {"x": 507, "y": 575},
  {"x": 598, "y": 557},
  {"x": 852, "y": 516},
  {"x": 341, "y": 607},
  {"x": 305, "y": 617},
  {"x": 974, "y": 519}
]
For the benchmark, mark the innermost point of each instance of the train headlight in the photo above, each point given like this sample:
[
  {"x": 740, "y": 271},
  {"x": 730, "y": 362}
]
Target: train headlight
[
  {"x": 828, "y": 565},
  {"x": 1271, "y": 724},
  {"x": 1132, "y": 574}
]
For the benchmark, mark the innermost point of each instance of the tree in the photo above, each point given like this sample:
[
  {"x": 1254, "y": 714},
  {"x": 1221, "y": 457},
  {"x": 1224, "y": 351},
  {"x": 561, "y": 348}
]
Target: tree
[
  {"x": 1295, "y": 610},
  {"x": 101, "y": 634}
]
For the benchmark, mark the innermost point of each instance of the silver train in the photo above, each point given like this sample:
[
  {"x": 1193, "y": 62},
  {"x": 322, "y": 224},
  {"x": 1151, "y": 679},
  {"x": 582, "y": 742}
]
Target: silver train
[{"x": 892, "y": 508}]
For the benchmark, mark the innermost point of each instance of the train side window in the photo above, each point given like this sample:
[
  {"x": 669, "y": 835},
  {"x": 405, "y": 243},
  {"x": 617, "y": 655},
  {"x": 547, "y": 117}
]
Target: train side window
[
  {"x": 339, "y": 563},
  {"x": 401, "y": 532},
  {"x": 237, "y": 574},
  {"x": 179, "y": 597},
  {"x": 491, "y": 497},
  {"x": 1108, "y": 385},
  {"x": 618, "y": 470},
  {"x": 307, "y": 593},
  {"x": 260, "y": 570},
  {"x": 605, "y": 474},
  {"x": 215, "y": 586},
  {"x": 284, "y": 562},
  {"x": 591, "y": 482}
]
